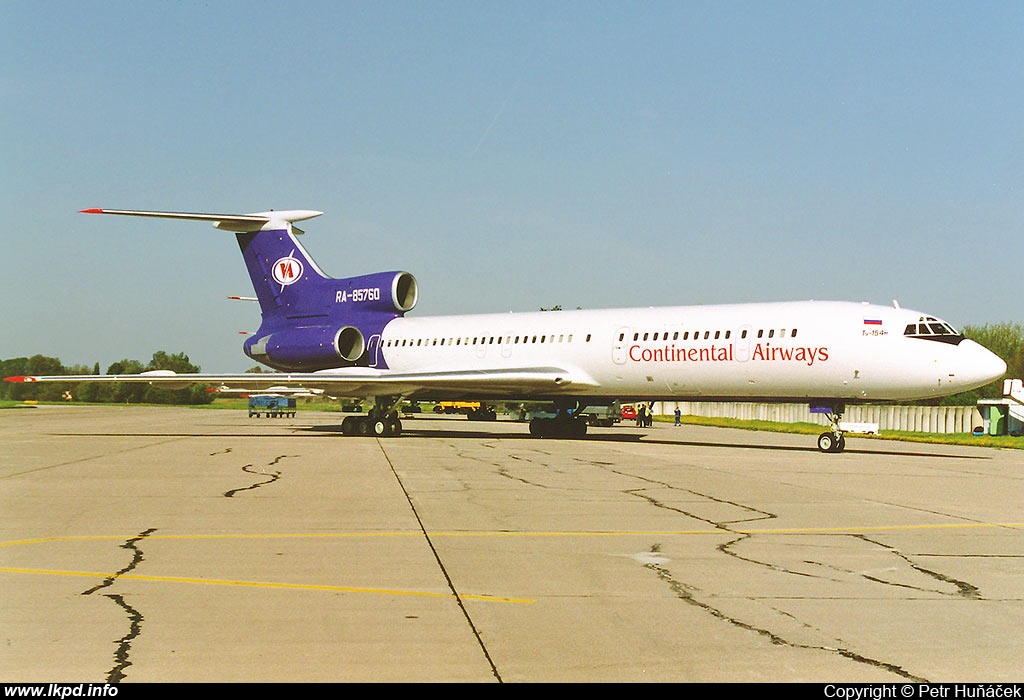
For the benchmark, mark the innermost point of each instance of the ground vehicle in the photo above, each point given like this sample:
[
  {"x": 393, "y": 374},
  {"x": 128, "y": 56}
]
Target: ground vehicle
[
  {"x": 603, "y": 415},
  {"x": 628, "y": 412},
  {"x": 449, "y": 407},
  {"x": 474, "y": 410},
  {"x": 271, "y": 406}
]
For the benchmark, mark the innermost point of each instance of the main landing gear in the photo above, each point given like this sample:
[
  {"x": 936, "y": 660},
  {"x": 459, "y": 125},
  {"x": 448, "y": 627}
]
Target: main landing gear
[
  {"x": 381, "y": 421},
  {"x": 833, "y": 440},
  {"x": 565, "y": 424}
]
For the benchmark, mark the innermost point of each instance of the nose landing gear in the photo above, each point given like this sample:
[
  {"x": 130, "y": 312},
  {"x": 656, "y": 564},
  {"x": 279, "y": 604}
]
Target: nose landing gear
[{"x": 833, "y": 440}]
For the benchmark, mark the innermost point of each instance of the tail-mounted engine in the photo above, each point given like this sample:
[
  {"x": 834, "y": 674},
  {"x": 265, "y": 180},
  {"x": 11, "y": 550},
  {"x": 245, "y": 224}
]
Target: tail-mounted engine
[
  {"x": 336, "y": 329},
  {"x": 309, "y": 348},
  {"x": 382, "y": 291}
]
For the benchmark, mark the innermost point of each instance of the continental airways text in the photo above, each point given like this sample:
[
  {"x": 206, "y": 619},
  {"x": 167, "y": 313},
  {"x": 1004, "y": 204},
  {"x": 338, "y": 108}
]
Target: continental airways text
[{"x": 765, "y": 352}]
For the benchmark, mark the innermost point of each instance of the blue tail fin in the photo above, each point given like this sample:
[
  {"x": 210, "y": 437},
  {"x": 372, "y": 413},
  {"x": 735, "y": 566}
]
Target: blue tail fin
[{"x": 309, "y": 321}]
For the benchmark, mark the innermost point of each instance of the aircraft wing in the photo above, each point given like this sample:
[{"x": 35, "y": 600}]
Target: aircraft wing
[{"x": 360, "y": 382}]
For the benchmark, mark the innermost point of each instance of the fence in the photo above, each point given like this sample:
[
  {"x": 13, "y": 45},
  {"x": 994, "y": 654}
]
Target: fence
[{"x": 922, "y": 419}]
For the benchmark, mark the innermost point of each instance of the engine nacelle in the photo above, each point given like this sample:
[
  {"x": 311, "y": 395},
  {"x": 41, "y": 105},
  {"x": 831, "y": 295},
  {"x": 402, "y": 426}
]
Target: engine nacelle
[
  {"x": 381, "y": 291},
  {"x": 308, "y": 348}
]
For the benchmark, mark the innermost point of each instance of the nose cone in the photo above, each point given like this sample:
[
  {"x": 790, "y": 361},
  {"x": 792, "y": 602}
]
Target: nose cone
[{"x": 977, "y": 366}]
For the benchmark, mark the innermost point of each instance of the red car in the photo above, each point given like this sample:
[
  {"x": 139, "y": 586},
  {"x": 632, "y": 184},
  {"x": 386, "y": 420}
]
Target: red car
[{"x": 628, "y": 413}]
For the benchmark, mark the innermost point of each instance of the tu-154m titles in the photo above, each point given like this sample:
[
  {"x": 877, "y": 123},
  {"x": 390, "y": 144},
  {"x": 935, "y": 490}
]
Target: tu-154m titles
[{"x": 351, "y": 337}]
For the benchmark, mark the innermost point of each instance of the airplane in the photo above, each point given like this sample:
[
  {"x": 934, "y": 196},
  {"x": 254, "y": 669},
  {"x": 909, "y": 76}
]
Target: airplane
[{"x": 351, "y": 337}]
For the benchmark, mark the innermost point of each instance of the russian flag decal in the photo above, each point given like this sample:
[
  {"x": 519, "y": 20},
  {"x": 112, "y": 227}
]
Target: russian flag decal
[{"x": 872, "y": 322}]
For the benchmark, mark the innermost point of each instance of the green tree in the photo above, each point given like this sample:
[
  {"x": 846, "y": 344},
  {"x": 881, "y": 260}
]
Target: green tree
[
  {"x": 124, "y": 392},
  {"x": 1007, "y": 341},
  {"x": 180, "y": 364},
  {"x": 41, "y": 364},
  {"x": 13, "y": 367}
]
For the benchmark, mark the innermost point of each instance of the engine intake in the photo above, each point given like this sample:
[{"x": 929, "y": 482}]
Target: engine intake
[
  {"x": 381, "y": 291},
  {"x": 405, "y": 291}
]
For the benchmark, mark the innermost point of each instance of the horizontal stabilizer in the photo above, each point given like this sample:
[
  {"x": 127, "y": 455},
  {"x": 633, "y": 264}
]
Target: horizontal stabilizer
[{"x": 239, "y": 223}]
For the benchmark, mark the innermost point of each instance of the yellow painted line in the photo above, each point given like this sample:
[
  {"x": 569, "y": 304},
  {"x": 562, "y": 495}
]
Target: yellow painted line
[{"x": 261, "y": 584}]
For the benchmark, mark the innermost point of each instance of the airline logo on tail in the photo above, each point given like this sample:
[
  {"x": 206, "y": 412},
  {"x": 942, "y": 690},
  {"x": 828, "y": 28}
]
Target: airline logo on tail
[{"x": 287, "y": 270}]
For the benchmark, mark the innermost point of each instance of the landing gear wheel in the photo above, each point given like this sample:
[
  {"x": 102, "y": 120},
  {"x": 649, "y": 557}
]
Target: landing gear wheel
[
  {"x": 830, "y": 442},
  {"x": 558, "y": 428},
  {"x": 579, "y": 428}
]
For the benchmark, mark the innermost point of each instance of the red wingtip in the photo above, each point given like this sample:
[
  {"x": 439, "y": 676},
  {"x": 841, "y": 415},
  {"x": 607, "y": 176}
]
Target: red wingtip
[
  {"x": 18, "y": 378},
  {"x": 91, "y": 211}
]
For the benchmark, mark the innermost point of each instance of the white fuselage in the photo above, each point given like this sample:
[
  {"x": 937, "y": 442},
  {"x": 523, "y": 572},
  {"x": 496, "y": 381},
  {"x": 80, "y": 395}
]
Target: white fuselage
[{"x": 774, "y": 351}]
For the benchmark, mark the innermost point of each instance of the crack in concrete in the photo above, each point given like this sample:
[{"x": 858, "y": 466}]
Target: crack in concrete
[
  {"x": 124, "y": 644},
  {"x": 136, "y": 560},
  {"x": 135, "y": 618},
  {"x": 686, "y": 593},
  {"x": 964, "y": 589},
  {"x": 250, "y": 469}
]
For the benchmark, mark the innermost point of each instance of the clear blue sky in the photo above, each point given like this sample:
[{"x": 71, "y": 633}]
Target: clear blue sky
[{"x": 511, "y": 155}]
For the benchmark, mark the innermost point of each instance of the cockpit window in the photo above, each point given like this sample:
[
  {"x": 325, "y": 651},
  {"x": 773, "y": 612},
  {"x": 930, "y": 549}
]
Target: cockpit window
[{"x": 930, "y": 328}]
